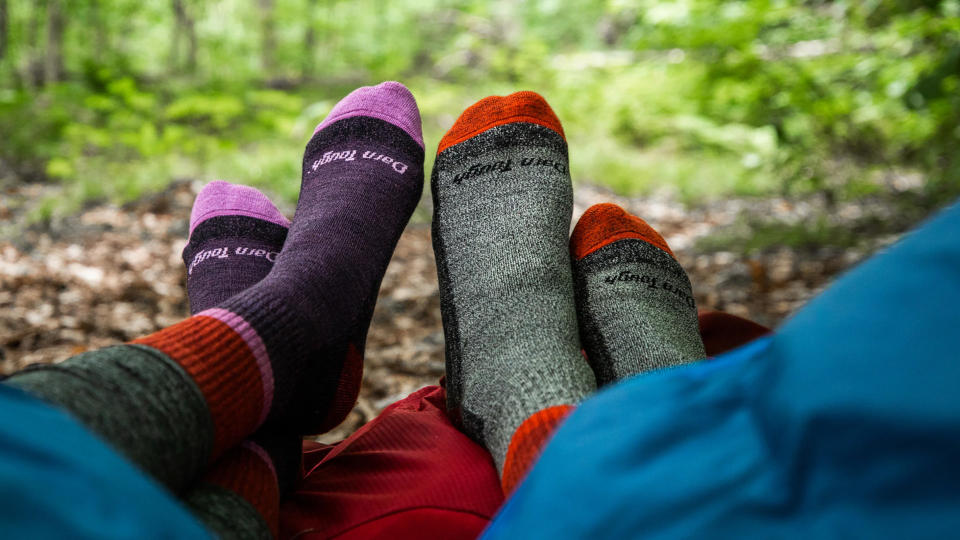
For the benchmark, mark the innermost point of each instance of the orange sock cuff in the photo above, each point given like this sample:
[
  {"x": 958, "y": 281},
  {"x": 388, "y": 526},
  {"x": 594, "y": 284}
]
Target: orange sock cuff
[
  {"x": 248, "y": 471},
  {"x": 223, "y": 367},
  {"x": 527, "y": 442},
  {"x": 604, "y": 224},
  {"x": 494, "y": 111}
]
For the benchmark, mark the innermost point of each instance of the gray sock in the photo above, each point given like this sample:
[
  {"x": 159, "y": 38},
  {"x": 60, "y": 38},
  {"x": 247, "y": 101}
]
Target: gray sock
[
  {"x": 634, "y": 302},
  {"x": 502, "y": 206}
]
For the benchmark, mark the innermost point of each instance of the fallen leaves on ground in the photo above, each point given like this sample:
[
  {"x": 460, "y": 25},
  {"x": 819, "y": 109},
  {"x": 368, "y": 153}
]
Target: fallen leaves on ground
[{"x": 108, "y": 275}]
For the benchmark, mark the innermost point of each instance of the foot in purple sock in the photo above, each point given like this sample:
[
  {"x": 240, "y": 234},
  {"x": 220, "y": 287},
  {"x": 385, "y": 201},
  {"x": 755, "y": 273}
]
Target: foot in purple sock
[
  {"x": 362, "y": 179},
  {"x": 236, "y": 234}
]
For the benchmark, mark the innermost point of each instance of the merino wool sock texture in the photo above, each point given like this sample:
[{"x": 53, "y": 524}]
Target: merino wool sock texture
[
  {"x": 176, "y": 400},
  {"x": 242, "y": 223},
  {"x": 502, "y": 206},
  {"x": 362, "y": 179},
  {"x": 236, "y": 234},
  {"x": 635, "y": 303}
]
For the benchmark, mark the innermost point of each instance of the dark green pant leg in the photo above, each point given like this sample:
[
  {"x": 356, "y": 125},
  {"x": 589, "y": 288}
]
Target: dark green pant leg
[{"x": 138, "y": 400}]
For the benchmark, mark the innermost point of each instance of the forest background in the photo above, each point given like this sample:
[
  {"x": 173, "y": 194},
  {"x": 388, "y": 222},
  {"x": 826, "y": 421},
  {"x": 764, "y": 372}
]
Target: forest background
[{"x": 114, "y": 99}]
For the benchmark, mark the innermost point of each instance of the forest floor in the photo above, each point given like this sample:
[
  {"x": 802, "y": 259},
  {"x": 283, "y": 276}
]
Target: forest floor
[{"x": 110, "y": 274}]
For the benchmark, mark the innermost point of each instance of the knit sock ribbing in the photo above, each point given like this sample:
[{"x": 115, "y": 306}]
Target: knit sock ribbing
[
  {"x": 226, "y": 213},
  {"x": 363, "y": 176},
  {"x": 502, "y": 205},
  {"x": 634, "y": 302},
  {"x": 239, "y": 496},
  {"x": 236, "y": 233}
]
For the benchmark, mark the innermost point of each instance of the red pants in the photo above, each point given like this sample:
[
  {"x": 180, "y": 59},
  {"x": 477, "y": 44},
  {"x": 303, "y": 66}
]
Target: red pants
[{"x": 409, "y": 472}]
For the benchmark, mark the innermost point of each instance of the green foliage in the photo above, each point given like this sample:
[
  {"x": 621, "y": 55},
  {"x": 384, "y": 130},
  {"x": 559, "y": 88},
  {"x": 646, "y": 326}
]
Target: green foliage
[
  {"x": 751, "y": 237},
  {"x": 699, "y": 97}
]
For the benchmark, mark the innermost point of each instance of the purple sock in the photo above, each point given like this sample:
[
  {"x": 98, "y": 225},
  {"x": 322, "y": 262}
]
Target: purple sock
[
  {"x": 362, "y": 179},
  {"x": 236, "y": 234}
]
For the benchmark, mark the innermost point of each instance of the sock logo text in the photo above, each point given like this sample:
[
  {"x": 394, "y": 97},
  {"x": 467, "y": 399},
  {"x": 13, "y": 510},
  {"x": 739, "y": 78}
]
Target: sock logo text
[
  {"x": 351, "y": 155},
  {"x": 503, "y": 166},
  {"x": 652, "y": 283},
  {"x": 224, "y": 253}
]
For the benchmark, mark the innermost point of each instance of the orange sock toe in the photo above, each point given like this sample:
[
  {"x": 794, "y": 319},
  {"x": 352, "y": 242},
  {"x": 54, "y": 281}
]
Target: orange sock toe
[
  {"x": 605, "y": 223},
  {"x": 635, "y": 305},
  {"x": 494, "y": 111},
  {"x": 528, "y": 441}
]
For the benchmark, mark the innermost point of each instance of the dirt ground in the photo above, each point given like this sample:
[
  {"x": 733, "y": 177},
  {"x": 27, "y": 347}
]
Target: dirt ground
[{"x": 107, "y": 275}]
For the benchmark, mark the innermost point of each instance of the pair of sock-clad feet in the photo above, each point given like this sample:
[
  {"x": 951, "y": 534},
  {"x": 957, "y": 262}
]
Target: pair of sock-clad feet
[
  {"x": 512, "y": 286},
  {"x": 212, "y": 407}
]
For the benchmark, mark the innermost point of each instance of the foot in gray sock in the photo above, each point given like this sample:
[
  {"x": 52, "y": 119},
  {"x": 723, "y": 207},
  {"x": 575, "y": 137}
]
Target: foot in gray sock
[
  {"x": 502, "y": 207},
  {"x": 634, "y": 302}
]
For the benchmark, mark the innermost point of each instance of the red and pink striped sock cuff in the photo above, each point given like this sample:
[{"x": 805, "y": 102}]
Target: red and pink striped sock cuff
[
  {"x": 248, "y": 471},
  {"x": 228, "y": 362}
]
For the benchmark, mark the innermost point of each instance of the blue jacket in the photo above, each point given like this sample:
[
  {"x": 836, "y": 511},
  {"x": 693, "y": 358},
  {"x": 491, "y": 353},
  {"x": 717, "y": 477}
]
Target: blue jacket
[{"x": 57, "y": 480}]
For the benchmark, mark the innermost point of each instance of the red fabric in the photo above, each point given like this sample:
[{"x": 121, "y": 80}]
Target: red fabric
[
  {"x": 492, "y": 111},
  {"x": 348, "y": 388},
  {"x": 722, "y": 332},
  {"x": 410, "y": 473},
  {"x": 393, "y": 476},
  {"x": 417, "y": 524},
  {"x": 605, "y": 223}
]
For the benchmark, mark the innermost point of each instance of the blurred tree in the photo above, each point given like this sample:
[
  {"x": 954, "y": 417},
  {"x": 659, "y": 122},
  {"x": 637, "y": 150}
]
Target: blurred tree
[
  {"x": 308, "y": 54},
  {"x": 268, "y": 38},
  {"x": 97, "y": 24},
  {"x": 4, "y": 29},
  {"x": 34, "y": 63},
  {"x": 56, "y": 22},
  {"x": 184, "y": 29}
]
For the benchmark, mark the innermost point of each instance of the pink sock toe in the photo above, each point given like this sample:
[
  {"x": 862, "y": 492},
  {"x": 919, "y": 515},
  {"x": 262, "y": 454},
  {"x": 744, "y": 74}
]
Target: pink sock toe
[
  {"x": 389, "y": 101},
  {"x": 219, "y": 198}
]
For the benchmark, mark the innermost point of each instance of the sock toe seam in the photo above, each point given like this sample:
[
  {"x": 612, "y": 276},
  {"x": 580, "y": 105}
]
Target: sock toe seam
[
  {"x": 609, "y": 239},
  {"x": 352, "y": 113},
  {"x": 243, "y": 212}
]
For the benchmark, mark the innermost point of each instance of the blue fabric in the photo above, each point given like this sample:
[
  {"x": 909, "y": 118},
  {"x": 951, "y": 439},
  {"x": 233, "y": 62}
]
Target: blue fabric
[
  {"x": 844, "y": 423},
  {"x": 59, "y": 481}
]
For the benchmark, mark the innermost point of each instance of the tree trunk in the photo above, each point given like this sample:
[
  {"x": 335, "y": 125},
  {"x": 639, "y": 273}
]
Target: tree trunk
[
  {"x": 191, "y": 45},
  {"x": 183, "y": 27},
  {"x": 4, "y": 26},
  {"x": 268, "y": 37},
  {"x": 56, "y": 24},
  {"x": 308, "y": 55},
  {"x": 173, "y": 57},
  {"x": 34, "y": 66},
  {"x": 101, "y": 43}
]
